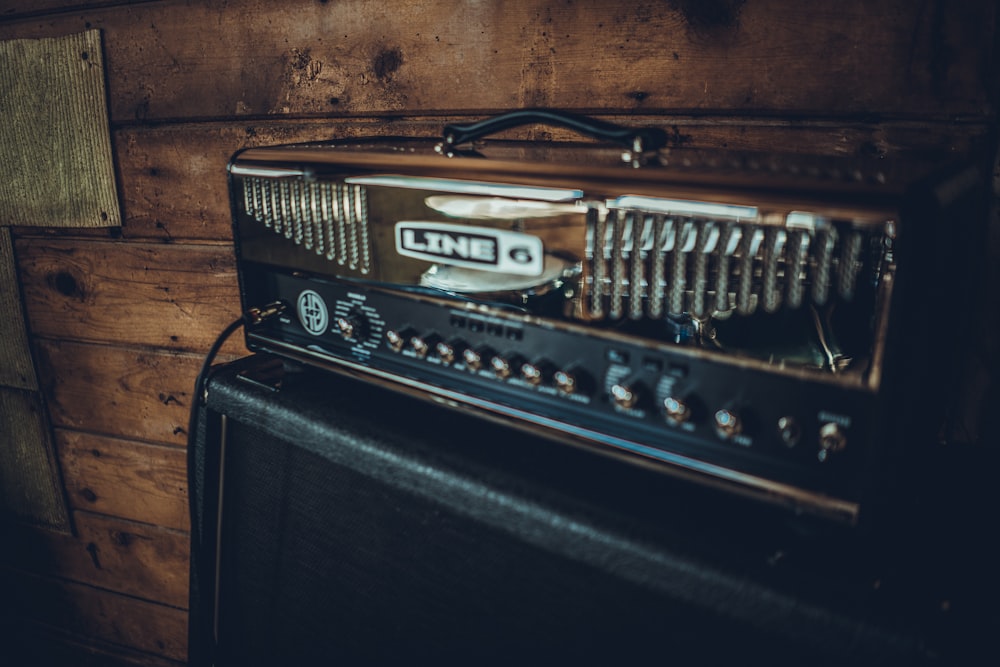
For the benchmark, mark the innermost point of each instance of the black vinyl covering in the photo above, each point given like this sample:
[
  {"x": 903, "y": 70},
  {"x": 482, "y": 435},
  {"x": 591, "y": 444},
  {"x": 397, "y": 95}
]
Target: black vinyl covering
[{"x": 360, "y": 526}]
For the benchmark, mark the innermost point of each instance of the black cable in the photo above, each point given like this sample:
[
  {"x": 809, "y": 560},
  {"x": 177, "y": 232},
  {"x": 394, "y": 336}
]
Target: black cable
[{"x": 251, "y": 317}]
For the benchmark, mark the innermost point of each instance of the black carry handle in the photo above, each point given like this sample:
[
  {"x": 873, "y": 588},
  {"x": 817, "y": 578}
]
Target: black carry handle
[{"x": 635, "y": 139}]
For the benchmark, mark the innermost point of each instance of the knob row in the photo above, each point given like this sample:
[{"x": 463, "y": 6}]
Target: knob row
[
  {"x": 477, "y": 358},
  {"x": 729, "y": 423}
]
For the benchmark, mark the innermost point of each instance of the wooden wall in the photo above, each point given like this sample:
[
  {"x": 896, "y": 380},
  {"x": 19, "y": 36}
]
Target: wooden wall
[{"x": 119, "y": 321}]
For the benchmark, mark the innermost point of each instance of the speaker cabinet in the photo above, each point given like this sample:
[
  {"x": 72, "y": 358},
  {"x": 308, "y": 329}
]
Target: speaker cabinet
[{"x": 336, "y": 523}]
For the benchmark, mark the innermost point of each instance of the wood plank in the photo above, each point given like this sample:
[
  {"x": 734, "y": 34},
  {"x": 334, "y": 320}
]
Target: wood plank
[
  {"x": 139, "y": 560},
  {"x": 19, "y": 9},
  {"x": 124, "y": 478},
  {"x": 30, "y": 488},
  {"x": 16, "y": 368},
  {"x": 126, "y": 392},
  {"x": 174, "y": 59},
  {"x": 83, "y": 610},
  {"x": 168, "y": 296}
]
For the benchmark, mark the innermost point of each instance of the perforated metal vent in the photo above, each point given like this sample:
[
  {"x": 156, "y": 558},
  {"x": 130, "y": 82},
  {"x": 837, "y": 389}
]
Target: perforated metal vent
[
  {"x": 328, "y": 218},
  {"x": 645, "y": 263}
]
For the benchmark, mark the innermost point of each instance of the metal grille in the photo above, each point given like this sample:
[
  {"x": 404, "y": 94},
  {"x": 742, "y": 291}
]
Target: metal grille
[
  {"x": 330, "y": 219},
  {"x": 643, "y": 263}
]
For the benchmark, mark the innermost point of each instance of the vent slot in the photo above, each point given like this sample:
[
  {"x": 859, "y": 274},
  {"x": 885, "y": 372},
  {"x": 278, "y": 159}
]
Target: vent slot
[
  {"x": 330, "y": 219},
  {"x": 651, "y": 264}
]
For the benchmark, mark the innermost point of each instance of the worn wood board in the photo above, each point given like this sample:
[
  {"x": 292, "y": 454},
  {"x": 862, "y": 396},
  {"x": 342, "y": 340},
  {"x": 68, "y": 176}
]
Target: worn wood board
[
  {"x": 16, "y": 367},
  {"x": 55, "y": 144},
  {"x": 30, "y": 486}
]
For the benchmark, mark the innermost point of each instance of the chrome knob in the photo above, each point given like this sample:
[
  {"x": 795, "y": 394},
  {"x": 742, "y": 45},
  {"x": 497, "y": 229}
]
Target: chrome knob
[
  {"x": 446, "y": 352},
  {"x": 476, "y": 359},
  {"x": 624, "y": 396},
  {"x": 789, "y": 431},
  {"x": 728, "y": 424},
  {"x": 536, "y": 373},
  {"x": 422, "y": 345},
  {"x": 566, "y": 382},
  {"x": 352, "y": 327},
  {"x": 677, "y": 411},
  {"x": 832, "y": 439},
  {"x": 396, "y": 340},
  {"x": 504, "y": 367}
]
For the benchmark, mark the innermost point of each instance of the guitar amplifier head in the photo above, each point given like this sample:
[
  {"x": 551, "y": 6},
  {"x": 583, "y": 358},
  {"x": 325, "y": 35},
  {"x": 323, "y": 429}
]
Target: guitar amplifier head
[{"x": 757, "y": 323}]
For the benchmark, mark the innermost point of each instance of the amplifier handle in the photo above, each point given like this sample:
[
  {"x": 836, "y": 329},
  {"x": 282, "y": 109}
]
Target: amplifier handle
[{"x": 635, "y": 139}]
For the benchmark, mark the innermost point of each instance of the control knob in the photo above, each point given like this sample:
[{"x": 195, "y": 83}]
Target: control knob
[
  {"x": 789, "y": 431},
  {"x": 571, "y": 381},
  {"x": 504, "y": 367},
  {"x": 397, "y": 339},
  {"x": 447, "y": 352},
  {"x": 422, "y": 345},
  {"x": 728, "y": 424},
  {"x": 676, "y": 410},
  {"x": 537, "y": 372},
  {"x": 353, "y": 326},
  {"x": 476, "y": 358},
  {"x": 832, "y": 439},
  {"x": 626, "y": 396}
]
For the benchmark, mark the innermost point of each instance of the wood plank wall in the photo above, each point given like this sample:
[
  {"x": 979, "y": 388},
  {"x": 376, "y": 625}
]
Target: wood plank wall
[{"x": 119, "y": 320}]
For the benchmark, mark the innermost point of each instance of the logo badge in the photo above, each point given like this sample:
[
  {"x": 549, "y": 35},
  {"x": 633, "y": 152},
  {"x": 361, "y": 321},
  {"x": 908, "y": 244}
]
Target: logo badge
[
  {"x": 483, "y": 248},
  {"x": 313, "y": 313}
]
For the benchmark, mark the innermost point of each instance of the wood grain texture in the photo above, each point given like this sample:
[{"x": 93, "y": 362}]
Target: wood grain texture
[
  {"x": 136, "y": 559},
  {"x": 16, "y": 367},
  {"x": 122, "y": 318},
  {"x": 123, "y": 478},
  {"x": 14, "y": 9},
  {"x": 159, "y": 295},
  {"x": 124, "y": 392},
  {"x": 30, "y": 485},
  {"x": 178, "y": 59},
  {"x": 101, "y": 615}
]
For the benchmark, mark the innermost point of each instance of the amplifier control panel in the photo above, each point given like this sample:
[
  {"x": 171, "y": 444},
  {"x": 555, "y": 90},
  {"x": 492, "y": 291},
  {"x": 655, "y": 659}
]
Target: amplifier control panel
[{"x": 662, "y": 403}]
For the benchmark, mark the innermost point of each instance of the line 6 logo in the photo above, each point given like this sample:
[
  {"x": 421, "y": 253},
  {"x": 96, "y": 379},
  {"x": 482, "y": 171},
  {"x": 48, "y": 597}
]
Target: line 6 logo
[{"x": 483, "y": 248}]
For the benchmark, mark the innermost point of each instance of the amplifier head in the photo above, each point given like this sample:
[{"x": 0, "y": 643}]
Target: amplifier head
[{"x": 724, "y": 317}]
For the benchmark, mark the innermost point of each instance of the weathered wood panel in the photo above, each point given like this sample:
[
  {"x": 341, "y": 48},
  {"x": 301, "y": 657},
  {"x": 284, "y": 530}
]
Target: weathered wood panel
[
  {"x": 124, "y": 478},
  {"x": 10, "y": 9},
  {"x": 175, "y": 59},
  {"x": 136, "y": 559},
  {"x": 124, "y": 392},
  {"x": 101, "y": 615},
  {"x": 30, "y": 487},
  {"x": 175, "y": 297},
  {"x": 174, "y": 176}
]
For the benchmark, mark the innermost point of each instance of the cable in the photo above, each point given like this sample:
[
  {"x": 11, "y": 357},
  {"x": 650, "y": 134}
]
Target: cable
[{"x": 252, "y": 317}]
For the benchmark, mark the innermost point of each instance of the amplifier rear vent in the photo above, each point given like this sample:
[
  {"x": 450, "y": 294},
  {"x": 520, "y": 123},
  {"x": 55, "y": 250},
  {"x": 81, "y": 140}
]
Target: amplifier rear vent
[{"x": 328, "y": 218}]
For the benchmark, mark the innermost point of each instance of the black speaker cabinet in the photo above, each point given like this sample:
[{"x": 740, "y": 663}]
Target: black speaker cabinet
[{"x": 335, "y": 523}]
